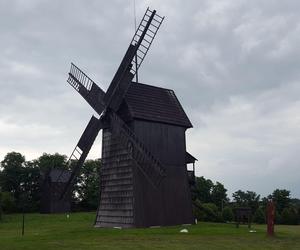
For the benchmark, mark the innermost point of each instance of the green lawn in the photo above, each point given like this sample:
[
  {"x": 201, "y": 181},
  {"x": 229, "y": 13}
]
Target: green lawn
[{"x": 58, "y": 232}]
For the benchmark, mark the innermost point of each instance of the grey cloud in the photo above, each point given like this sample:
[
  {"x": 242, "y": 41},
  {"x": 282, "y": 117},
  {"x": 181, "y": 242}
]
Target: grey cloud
[{"x": 233, "y": 65}]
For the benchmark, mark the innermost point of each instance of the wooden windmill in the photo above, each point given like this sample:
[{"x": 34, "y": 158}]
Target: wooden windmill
[
  {"x": 52, "y": 184},
  {"x": 144, "y": 180}
]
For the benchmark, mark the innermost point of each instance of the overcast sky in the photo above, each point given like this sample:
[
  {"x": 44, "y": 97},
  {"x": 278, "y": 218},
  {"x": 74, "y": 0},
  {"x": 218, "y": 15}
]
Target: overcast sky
[{"x": 234, "y": 65}]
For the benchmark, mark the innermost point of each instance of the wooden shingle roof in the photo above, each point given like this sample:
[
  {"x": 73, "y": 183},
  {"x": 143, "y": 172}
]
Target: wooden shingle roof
[{"x": 155, "y": 104}]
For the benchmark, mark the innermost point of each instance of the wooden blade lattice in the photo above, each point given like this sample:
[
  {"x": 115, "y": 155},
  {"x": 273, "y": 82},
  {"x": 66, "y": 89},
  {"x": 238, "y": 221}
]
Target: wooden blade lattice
[
  {"x": 144, "y": 36},
  {"x": 87, "y": 88}
]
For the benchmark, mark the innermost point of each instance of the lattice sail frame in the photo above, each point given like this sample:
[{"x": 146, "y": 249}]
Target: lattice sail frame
[{"x": 150, "y": 29}]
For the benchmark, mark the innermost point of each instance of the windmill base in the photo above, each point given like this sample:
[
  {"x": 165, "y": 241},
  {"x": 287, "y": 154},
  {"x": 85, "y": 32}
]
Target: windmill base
[{"x": 128, "y": 199}]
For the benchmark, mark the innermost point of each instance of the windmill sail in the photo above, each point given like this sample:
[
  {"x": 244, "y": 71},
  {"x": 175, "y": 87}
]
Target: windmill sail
[
  {"x": 87, "y": 88},
  {"x": 81, "y": 151},
  {"x": 133, "y": 58},
  {"x": 144, "y": 36}
]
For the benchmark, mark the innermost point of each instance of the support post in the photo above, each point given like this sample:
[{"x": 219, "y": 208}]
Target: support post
[
  {"x": 270, "y": 217},
  {"x": 23, "y": 221},
  {"x": 249, "y": 221}
]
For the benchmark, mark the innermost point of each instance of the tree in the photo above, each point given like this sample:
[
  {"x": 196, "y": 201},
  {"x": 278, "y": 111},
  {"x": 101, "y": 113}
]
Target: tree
[
  {"x": 246, "y": 199},
  {"x": 31, "y": 186},
  {"x": 259, "y": 216},
  {"x": 203, "y": 189},
  {"x": 218, "y": 194},
  {"x": 264, "y": 202},
  {"x": 240, "y": 198},
  {"x": 289, "y": 216},
  {"x": 282, "y": 199},
  {"x": 87, "y": 187},
  {"x": 295, "y": 202},
  {"x": 48, "y": 161},
  {"x": 11, "y": 177}
]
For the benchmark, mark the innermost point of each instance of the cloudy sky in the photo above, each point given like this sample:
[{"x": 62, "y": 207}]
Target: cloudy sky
[{"x": 234, "y": 65}]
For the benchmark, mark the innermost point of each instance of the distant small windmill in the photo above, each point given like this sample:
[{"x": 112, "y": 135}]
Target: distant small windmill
[
  {"x": 144, "y": 180},
  {"x": 52, "y": 184}
]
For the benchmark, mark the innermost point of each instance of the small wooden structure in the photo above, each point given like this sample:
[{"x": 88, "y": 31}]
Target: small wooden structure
[
  {"x": 243, "y": 215},
  {"x": 52, "y": 183}
]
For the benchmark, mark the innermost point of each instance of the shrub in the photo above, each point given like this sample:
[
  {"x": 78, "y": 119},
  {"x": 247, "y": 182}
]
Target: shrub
[
  {"x": 197, "y": 210},
  {"x": 227, "y": 214},
  {"x": 289, "y": 216},
  {"x": 210, "y": 212},
  {"x": 259, "y": 216},
  {"x": 207, "y": 212}
]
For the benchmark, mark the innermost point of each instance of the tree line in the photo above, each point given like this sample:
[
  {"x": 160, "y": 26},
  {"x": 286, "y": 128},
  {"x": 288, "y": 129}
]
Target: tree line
[
  {"x": 20, "y": 189},
  {"x": 211, "y": 203},
  {"x": 20, "y": 182}
]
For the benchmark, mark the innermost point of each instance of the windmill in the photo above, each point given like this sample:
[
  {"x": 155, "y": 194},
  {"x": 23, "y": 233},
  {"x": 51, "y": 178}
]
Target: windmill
[
  {"x": 144, "y": 180},
  {"x": 52, "y": 183}
]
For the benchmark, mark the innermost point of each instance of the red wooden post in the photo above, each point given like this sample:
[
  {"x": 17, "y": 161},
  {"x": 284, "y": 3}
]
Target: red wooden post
[{"x": 270, "y": 217}]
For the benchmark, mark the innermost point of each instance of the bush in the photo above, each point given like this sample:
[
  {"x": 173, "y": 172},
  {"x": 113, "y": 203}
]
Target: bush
[
  {"x": 210, "y": 212},
  {"x": 197, "y": 210},
  {"x": 207, "y": 212},
  {"x": 227, "y": 214},
  {"x": 259, "y": 216},
  {"x": 8, "y": 202},
  {"x": 289, "y": 216}
]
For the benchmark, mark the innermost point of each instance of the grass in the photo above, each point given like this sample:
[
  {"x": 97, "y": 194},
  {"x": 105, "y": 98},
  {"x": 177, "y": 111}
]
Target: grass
[{"x": 77, "y": 232}]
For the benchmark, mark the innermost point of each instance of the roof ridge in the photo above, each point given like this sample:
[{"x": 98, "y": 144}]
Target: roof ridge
[{"x": 152, "y": 86}]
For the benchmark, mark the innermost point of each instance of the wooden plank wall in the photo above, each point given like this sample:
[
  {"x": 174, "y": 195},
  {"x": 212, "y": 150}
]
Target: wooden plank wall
[{"x": 171, "y": 204}]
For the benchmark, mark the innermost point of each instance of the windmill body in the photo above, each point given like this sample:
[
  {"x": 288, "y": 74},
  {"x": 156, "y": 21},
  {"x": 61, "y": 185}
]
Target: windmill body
[
  {"x": 144, "y": 180},
  {"x": 128, "y": 197}
]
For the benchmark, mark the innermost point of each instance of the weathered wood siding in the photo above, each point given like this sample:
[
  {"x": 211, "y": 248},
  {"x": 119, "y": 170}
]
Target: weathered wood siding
[
  {"x": 171, "y": 203},
  {"x": 116, "y": 197},
  {"x": 128, "y": 199}
]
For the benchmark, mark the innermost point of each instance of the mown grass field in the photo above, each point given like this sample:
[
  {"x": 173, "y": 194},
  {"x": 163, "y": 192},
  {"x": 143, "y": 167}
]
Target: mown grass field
[{"x": 77, "y": 232}]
